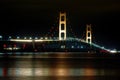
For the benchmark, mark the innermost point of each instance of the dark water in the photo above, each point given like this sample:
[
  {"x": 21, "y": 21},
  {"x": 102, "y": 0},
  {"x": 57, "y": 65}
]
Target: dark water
[{"x": 59, "y": 66}]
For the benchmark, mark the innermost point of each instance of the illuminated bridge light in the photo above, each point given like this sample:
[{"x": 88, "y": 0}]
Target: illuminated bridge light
[
  {"x": 113, "y": 51},
  {"x": 62, "y": 46},
  {"x": 46, "y": 37},
  {"x": 41, "y": 38},
  {"x": 21, "y": 40},
  {"x": 0, "y": 36},
  {"x": 10, "y": 37},
  {"x": 30, "y": 38},
  {"x": 81, "y": 47},
  {"x": 72, "y": 46},
  {"x": 18, "y": 37},
  {"x": 25, "y": 37},
  {"x": 103, "y": 47},
  {"x": 36, "y": 37}
]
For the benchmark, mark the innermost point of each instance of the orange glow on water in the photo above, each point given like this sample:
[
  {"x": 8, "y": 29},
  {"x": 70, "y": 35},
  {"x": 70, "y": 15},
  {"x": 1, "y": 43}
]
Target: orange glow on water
[
  {"x": 61, "y": 72},
  {"x": 89, "y": 72}
]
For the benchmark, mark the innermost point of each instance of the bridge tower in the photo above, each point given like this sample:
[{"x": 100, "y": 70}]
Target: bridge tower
[
  {"x": 88, "y": 34},
  {"x": 62, "y": 26}
]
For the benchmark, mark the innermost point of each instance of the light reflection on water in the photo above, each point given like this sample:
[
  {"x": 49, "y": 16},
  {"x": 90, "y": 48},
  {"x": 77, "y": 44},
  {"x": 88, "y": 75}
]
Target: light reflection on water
[
  {"x": 41, "y": 72},
  {"x": 39, "y": 65},
  {"x": 56, "y": 72}
]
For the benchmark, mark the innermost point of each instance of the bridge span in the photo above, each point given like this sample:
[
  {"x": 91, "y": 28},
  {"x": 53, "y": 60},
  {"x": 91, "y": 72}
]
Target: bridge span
[
  {"x": 45, "y": 43},
  {"x": 49, "y": 43}
]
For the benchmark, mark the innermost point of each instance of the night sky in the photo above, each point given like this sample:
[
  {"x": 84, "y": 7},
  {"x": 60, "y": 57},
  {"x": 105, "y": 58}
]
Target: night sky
[{"x": 19, "y": 17}]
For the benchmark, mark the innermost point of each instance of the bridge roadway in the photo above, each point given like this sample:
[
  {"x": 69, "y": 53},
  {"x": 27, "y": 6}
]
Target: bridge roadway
[
  {"x": 43, "y": 40},
  {"x": 56, "y": 39}
]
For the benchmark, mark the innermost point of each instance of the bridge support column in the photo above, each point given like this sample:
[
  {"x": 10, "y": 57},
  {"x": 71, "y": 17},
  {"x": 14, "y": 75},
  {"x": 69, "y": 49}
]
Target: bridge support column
[
  {"x": 62, "y": 26},
  {"x": 88, "y": 34}
]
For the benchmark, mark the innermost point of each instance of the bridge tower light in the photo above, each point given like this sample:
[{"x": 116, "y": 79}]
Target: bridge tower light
[
  {"x": 88, "y": 34},
  {"x": 62, "y": 26}
]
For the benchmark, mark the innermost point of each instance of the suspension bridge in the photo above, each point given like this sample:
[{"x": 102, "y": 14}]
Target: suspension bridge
[{"x": 63, "y": 39}]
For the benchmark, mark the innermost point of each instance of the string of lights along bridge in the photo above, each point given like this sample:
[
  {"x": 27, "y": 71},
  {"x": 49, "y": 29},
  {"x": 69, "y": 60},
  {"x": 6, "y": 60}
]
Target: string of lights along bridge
[{"x": 62, "y": 36}]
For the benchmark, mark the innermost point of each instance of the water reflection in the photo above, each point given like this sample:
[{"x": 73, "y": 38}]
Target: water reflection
[
  {"x": 55, "y": 72},
  {"x": 40, "y": 67}
]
